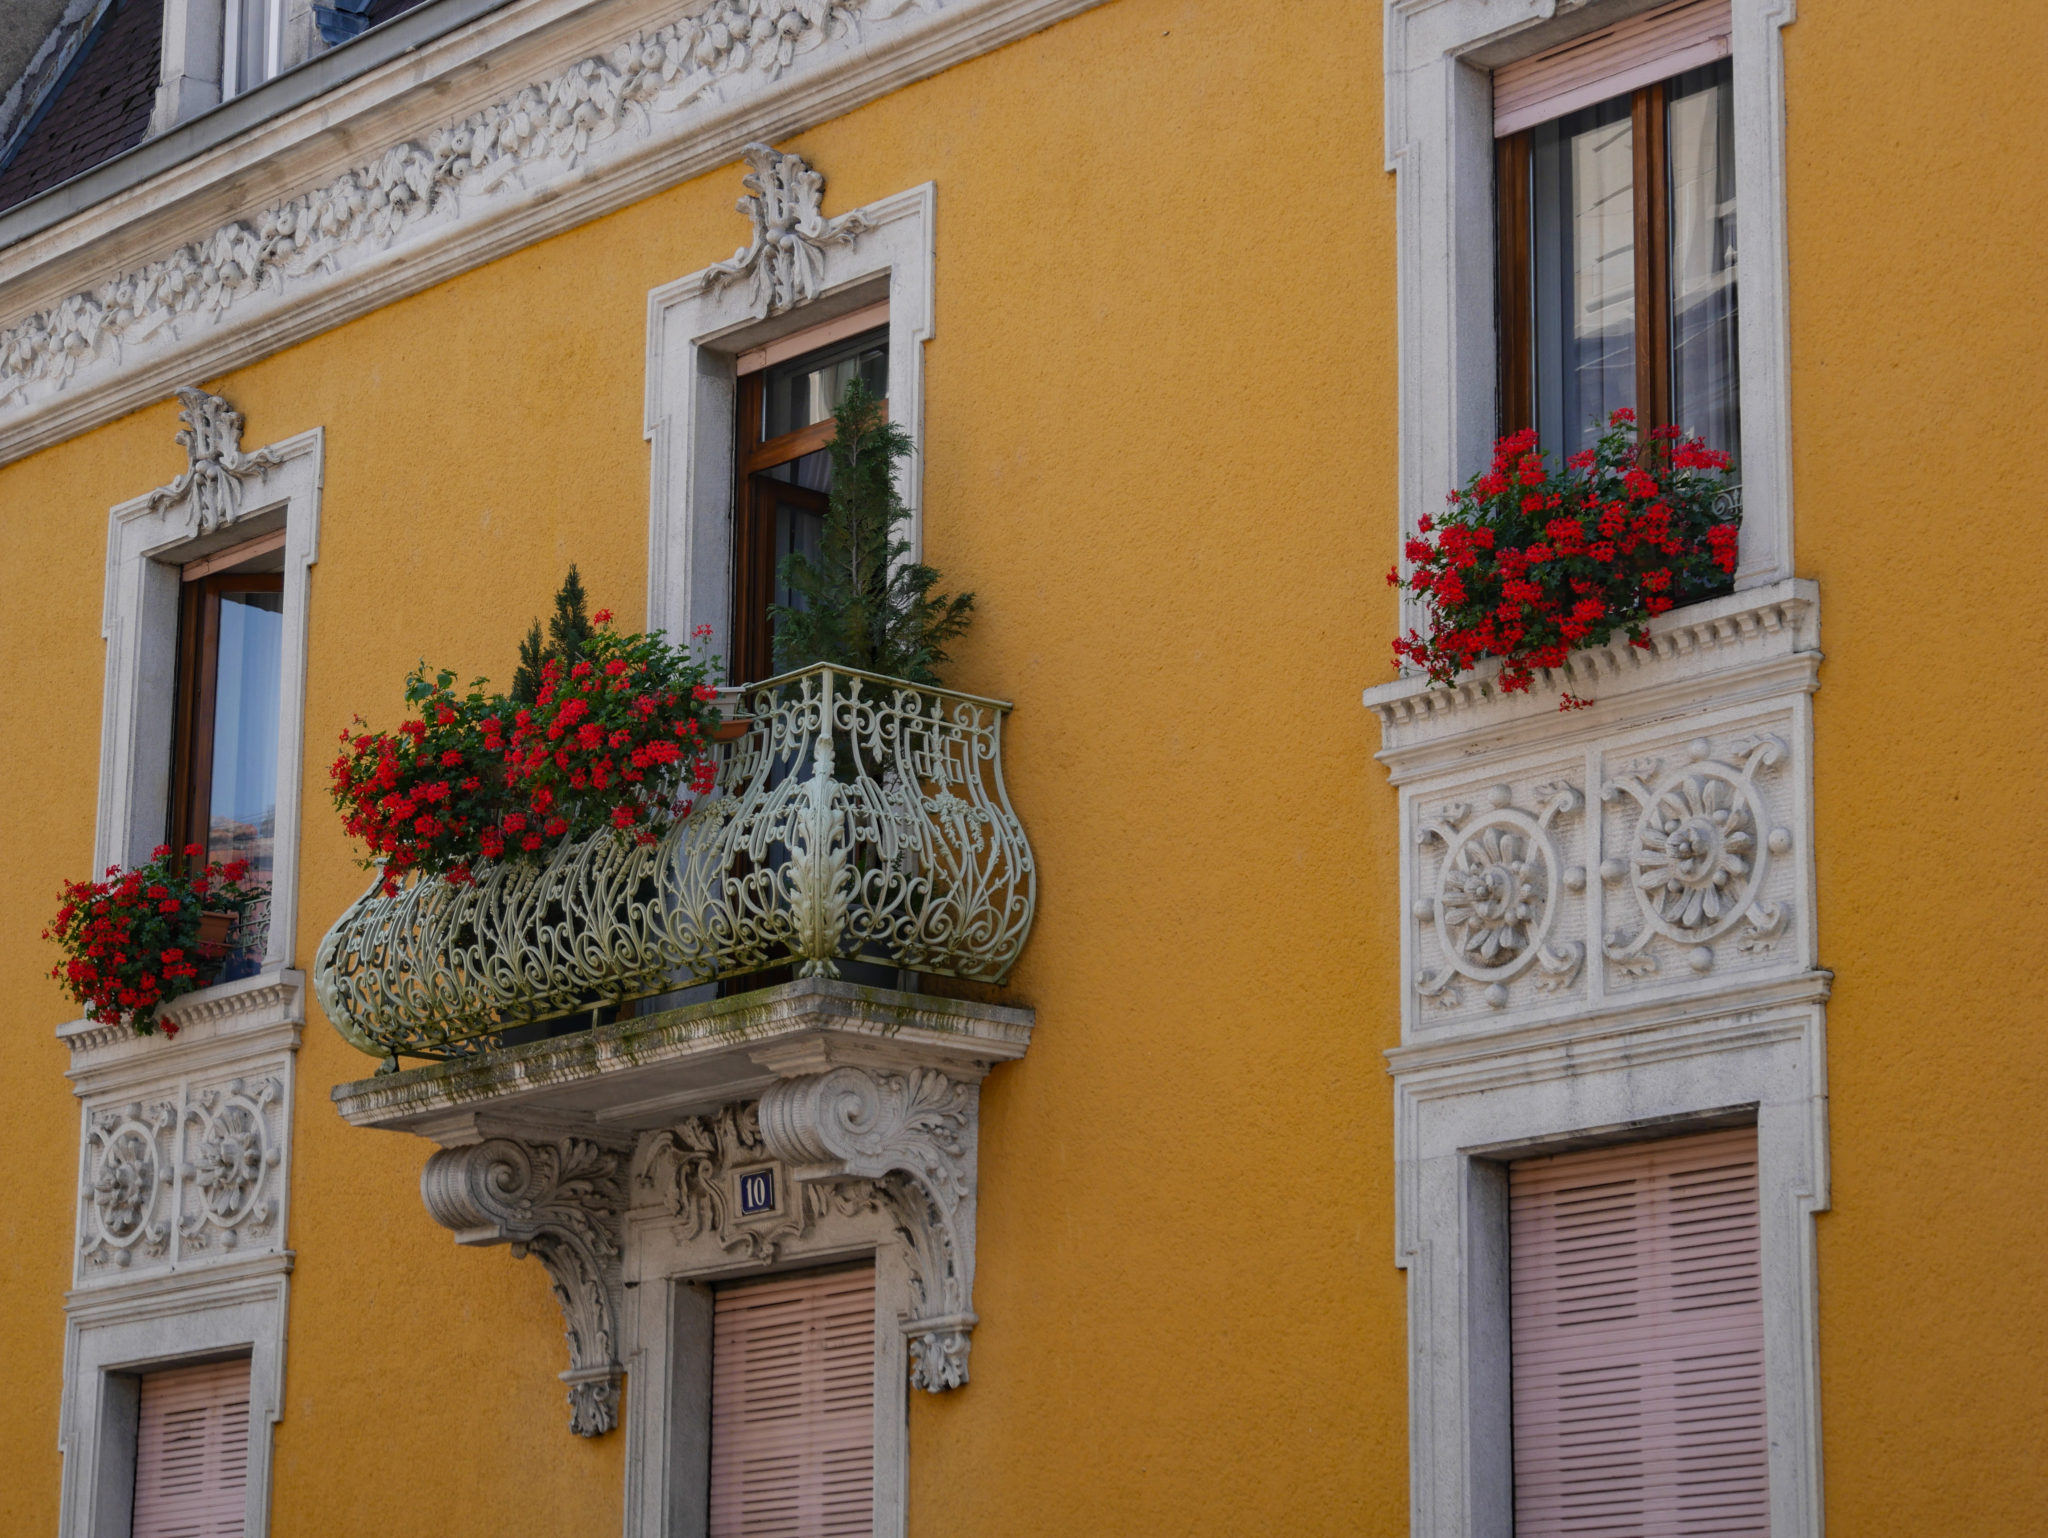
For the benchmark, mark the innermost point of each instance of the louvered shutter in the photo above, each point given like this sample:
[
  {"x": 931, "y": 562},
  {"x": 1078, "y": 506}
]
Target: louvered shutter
[
  {"x": 192, "y": 1452},
  {"x": 793, "y": 1406},
  {"x": 1638, "y": 51},
  {"x": 1638, "y": 1341}
]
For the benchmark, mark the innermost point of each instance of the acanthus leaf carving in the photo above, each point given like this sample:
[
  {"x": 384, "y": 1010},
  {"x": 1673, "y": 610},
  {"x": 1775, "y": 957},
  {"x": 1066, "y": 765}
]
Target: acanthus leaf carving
[
  {"x": 561, "y": 1202},
  {"x": 785, "y": 260},
  {"x": 698, "y": 1167},
  {"x": 215, "y": 466},
  {"x": 912, "y": 1134}
]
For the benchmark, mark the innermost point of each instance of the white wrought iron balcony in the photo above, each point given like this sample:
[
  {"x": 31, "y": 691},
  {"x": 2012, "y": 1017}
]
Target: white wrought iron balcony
[{"x": 858, "y": 818}]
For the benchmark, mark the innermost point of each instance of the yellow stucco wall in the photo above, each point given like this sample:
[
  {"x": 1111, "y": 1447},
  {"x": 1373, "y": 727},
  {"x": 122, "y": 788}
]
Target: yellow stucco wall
[
  {"x": 1918, "y": 200},
  {"x": 1160, "y": 445}
]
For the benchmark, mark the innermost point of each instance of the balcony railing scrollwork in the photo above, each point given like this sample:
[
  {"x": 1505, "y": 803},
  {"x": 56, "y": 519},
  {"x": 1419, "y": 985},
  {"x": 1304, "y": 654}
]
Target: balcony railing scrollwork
[{"x": 859, "y": 818}]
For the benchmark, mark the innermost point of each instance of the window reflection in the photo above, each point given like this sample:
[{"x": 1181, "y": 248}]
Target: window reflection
[
  {"x": 1582, "y": 195},
  {"x": 1701, "y": 137},
  {"x": 242, "y": 822}
]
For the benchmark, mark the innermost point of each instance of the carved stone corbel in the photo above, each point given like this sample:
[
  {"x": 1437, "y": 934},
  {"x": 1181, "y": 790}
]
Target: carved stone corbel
[
  {"x": 913, "y": 1135},
  {"x": 561, "y": 1202}
]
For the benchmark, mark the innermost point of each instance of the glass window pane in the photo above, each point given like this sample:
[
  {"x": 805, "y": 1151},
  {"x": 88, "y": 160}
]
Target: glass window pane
[
  {"x": 807, "y": 389},
  {"x": 252, "y": 43},
  {"x": 1582, "y": 207},
  {"x": 242, "y": 817},
  {"x": 1701, "y": 137},
  {"x": 798, "y": 530}
]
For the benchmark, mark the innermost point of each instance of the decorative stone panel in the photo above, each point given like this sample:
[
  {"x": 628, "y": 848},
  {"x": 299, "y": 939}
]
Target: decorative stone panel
[
  {"x": 185, "y": 1139},
  {"x": 1653, "y": 849}
]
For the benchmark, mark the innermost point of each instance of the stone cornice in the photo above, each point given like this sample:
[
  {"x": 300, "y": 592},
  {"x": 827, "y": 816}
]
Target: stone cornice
[
  {"x": 217, "y": 1026},
  {"x": 645, "y": 1073},
  {"x": 1749, "y": 644},
  {"x": 533, "y": 119}
]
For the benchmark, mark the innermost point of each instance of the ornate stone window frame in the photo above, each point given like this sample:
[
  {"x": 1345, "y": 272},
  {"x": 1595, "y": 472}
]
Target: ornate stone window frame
[
  {"x": 1439, "y": 55},
  {"x": 1555, "y": 996},
  {"x": 183, "y": 1192},
  {"x": 224, "y": 496},
  {"x": 185, "y": 1141},
  {"x": 1463, "y": 1109},
  {"x": 698, "y": 325}
]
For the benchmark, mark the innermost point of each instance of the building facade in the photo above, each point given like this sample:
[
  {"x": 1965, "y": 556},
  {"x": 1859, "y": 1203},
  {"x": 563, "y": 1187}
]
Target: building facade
[{"x": 1194, "y": 1098}]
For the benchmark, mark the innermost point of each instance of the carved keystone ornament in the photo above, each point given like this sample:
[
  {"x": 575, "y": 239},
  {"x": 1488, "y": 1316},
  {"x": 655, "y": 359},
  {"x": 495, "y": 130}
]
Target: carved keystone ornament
[
  {"x": 785, "y": 261},
  {"x": 215, "y": 466},
  {"x": 849, "y": 1140}
]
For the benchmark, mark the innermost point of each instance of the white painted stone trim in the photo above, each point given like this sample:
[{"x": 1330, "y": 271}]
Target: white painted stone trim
[
  {"x": 696, "y": 329},
  {"x": 148, "y": 539},
  {"x": 1439, "y": 126},
  {"x": 1463, "y": 1109},
  {"x": 669, "y": 1274},
  {"x": 210, "y": 1287},
  {"x": 288, "y": 230},
  {"x": 112, "y": 1337}
]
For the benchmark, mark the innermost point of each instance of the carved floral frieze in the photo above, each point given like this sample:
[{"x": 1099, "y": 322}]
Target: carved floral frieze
[{"x": 548, "y": 126}]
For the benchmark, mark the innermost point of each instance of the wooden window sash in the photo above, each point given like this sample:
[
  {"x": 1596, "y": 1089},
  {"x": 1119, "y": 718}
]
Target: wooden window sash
[
  {"x": 1515, "y": 267},
  {"x": 752, "y": 650}
]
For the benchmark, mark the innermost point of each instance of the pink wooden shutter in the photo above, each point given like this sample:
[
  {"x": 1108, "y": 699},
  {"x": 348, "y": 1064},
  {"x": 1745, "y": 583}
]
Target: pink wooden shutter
[
  {"x": 1638, "y": 1341},
  {"x": 793, "y": 1407},
  {"x": 192, "y": 1452},
  {"x": 1638, "y": 51}
]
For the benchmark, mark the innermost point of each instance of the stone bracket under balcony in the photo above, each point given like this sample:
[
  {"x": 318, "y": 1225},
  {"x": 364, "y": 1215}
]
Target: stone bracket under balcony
[{"x": 855, "y": 1097}]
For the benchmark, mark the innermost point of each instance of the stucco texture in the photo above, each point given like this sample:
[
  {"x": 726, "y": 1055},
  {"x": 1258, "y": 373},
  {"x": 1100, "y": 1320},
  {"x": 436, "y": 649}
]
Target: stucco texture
[
  {"x": 1917, "y": 200},
  {"x": 1165, "y": 462},
  {"x": 1160, "y": 446}
]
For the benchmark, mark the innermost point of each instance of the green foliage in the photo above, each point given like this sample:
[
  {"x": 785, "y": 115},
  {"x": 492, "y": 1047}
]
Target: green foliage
[
  {"x": 865, "y": 604},
  {"x": 568, "y": 633}
]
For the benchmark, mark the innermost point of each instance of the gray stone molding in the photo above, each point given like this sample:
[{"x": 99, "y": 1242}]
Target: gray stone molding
[
  {"x": 911, "y": 1137},
  {"x": 561, "y": 1203},
  {"x": 208, "y": 494}
]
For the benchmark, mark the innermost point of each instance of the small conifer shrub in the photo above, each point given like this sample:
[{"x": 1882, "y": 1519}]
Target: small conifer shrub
[{"x": 864, "y": 603}]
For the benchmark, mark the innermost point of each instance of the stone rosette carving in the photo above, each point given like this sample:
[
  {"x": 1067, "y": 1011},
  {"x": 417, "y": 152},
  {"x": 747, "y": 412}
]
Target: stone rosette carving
[
  {"x": 785, "y": 261},
  {"x": 562, "y": 1203},
  {"x": 229, "y": 1152},
  {"x": 127, "y": 1168},
  {"x": 1499, "y": 883},
  {"x": 1699, "y": 855},
  {"x": 550, "y": 122},
  {"x": 912, "y": 1136},
  {"x": 215, "y": 466}
]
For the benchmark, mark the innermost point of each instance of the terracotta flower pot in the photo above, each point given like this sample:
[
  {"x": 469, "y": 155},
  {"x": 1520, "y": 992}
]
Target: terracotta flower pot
[
  {"x": 732, "y": 728},
  {"x": 214, "y": 929}
]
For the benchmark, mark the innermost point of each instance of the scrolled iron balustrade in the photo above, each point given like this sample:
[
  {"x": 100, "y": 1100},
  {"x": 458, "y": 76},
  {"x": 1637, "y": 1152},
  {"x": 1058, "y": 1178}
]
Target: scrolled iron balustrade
[{"x": 858, "y": 818}]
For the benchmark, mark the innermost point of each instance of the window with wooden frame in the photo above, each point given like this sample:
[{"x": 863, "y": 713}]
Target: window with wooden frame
[
  {"x": 225, "y": 734},
  {"x": 1615, "y": 172},
  {"x": 787, "y": 393}
]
